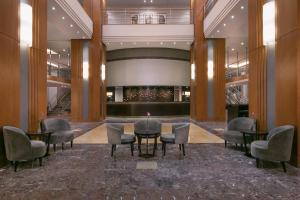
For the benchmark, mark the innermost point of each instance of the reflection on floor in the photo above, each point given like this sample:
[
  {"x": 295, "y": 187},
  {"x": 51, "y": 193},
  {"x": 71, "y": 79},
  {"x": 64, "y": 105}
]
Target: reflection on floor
[{"x": 197, "y": 134}]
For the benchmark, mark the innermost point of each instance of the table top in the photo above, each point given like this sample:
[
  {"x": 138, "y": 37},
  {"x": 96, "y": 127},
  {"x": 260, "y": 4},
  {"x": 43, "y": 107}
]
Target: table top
[
  {"x": 250, "y": 132},
  {"x": 146, "y": 132}
]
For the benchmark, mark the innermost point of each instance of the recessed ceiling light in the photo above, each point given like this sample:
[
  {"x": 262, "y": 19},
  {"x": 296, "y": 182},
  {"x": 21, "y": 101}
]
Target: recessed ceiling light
[
  {"x": 63, "y": 17},
  {"x": 145, "y": 1},
  {"x": 242, "y": 43},
  {"x": 64, "y": 50},
  {"x": 151, "y": 1},
  {"x": 53, "y": 8},
  {"x": 218, "y": 31},
  {"x": 232, "y": 16},
  {"x": 71, "y": 25},
  {"x": 232, "y": 49},
  {"x": 224, "y": 24},
  {"x": 242, "y": 7}
]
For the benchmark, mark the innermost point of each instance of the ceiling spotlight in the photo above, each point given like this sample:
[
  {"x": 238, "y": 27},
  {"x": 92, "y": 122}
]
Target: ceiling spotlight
[
  {"x": 151, "y": 1},
  {"x": 232, "y": 16},
  {"x": 232, "y": 49},
  {"x": 53, "y": 8},
  {"x": 218, "y": 31},
  {"x": 224, "y": 25},
  {"x": 71, "y": 25},
  {"x": 145, "y": 1},
  {"x": 64, "y": 50},
  {"x": 242, "y": 43},
  {"x": 62, "y": 17},
  {"x": 242, "y": 7}
]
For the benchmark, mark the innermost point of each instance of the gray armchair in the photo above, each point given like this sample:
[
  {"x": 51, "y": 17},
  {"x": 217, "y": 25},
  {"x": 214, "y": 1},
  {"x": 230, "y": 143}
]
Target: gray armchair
[
  {"x": 233, "y": 130},
  {"x": 180, "y": 135},
  {"x": 276, "y": 148},
  {"x": 59, "y": 130},
  {"x": 19, "y": 147},
  {"x": 116, "y": 136}
]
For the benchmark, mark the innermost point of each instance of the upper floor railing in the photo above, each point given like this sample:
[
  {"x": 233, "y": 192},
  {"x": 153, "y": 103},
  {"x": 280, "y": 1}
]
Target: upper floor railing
[
  {"x": 59, "y": 72},
  {"x": 147, "y": 16},
  {"x": 209, "y": 6},
  {"x": 236, "y": 72}
]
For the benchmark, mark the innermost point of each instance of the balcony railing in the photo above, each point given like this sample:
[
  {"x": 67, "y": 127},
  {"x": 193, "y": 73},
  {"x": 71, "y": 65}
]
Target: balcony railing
[
  {"x": 147, "y": 16},
  {"x": 63, "y": 73},
  {"x": 236, "y": 72},
  {"x": 209, "y": 6}
]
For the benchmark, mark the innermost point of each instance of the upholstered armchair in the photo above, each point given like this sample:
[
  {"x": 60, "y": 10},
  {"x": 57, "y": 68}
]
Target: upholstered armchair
[
  {"x": 276, "y": 148},
  {"x": 59, "y": 131},
  {"x": 19, "y": 147},
  {"x": 180, "y": 135},
  {"x": 116, "y": 136},
  {"x": 233, "y": 130}
]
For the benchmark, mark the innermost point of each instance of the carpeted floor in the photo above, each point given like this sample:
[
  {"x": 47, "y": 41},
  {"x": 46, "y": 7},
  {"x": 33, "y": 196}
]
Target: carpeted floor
[{"x": 209, "y": 171}]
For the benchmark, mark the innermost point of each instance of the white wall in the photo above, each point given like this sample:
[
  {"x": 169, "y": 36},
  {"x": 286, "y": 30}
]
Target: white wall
[{"x": 139, "y": 72}]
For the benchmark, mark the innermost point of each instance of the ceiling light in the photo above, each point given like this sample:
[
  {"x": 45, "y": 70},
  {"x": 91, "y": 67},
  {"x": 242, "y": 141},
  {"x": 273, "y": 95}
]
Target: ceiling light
[
  {"x": 218, "y": 31},
  {"x": 242, "y": 43},
  {"x": 151, "y": 1},
  {"x": 121, "y": 43},
  {"x": 53, "y": 8},
  {"x": 224, "y": 24},
  {"x": 71, "y": 25},
  {"x": 232, "y": 49},
  {"x": 161, "y": 43},
  {"x": 174, "y": 43},
  {"x": 63, "y": 17},
  {"x": 242, "y": 7},
  {"x": 64, "y": 50},
  {"x": 145, "y": 1},
  {"x": 232, "y": 16}
]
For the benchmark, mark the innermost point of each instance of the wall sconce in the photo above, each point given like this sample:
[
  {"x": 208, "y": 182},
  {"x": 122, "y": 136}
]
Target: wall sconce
[
  {"x": 26, "y": 24},
  {"x": 193, "y": 71},
  {"x": 103, "y": 72},
  {"x": 85, "y": 70},
  {"x": 269, "y": 25},
  {"x": 109, "y": 94},
  {"x": 210, "y": 70}
]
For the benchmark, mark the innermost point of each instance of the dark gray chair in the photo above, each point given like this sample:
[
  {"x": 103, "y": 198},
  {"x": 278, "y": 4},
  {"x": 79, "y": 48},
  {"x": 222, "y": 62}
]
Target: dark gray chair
[
  {"x": 60, "y": 131},
  {"x": 116, "y": 136},
  {"x": 19, "y": 147},
  {"x": 180, "y": 135},
  {"x": 233, "y": 130},
  {"x": 276, "y": 148}
]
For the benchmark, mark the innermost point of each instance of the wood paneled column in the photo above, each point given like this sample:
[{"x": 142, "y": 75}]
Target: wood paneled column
[
  {"x": 219, "y": 102},
  {"x": 38, "y": 66},
  {"x": 76, "y": 80},
  {"x": 288, "y": 69},
  {"x": 199, "y": 51},
  {"x": 257, "y": 65},
  {"x": 94, "y": 10},
  {"x": 10, "y": 68}
]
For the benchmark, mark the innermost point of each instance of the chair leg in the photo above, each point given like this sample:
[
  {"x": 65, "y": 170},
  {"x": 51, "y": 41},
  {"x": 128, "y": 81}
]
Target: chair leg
[
  {"x": 283, "y": 166},
  {"x": 16, "y": 165},
  {"x": 112, "y": 150},
  {"x": 164, "y": 148},
  {"x": 132, "y": 147},
  {"x": 257, "y": 163},
  {"x": 180, "y": 147},
  {"x": 71, "y": 143},
  {"x": 225, "y": 143},
  {"x": 62, "y": 146},
  {"x": 183, "y": 151},
  {"x": 41, "y": 161},
  {"x": 54, "y": 147},
  {"x": 236, "y": 146}
]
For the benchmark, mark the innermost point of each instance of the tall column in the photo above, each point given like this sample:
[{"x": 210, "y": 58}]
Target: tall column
[
  {"x": 257, "y": 65},
  {"x": 9, "y": 67},
  {"x": 288, "y": 69},
  {"x": 38, "y": 66},
  {"x": 94, "y": 10},
  {"x": 199, "y": 85}
]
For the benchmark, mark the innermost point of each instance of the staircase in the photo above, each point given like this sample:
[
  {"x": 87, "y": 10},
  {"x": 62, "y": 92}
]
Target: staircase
[
  {"x": 63, "y": 105},
  {"x": 234, "y": 96}
]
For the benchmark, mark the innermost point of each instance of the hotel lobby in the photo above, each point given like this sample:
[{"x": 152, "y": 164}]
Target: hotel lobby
[{"x": 149, "y": 99}]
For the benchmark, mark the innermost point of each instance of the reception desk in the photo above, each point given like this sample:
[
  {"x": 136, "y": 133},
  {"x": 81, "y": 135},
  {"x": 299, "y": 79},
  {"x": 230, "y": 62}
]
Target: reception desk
[{"x": 141, "y": 108}]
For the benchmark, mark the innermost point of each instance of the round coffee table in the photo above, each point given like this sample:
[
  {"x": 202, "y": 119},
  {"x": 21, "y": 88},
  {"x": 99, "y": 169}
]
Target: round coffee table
[{"x": 147, "y": 134}]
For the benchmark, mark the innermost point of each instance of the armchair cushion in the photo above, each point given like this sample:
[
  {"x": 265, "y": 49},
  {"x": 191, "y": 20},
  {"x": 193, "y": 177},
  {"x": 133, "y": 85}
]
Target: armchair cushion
[
  {"x": 127, "y": 138},
  {"x": 61, "y": 136},
  {"x": 168, "y": 138},
  {"x": 38, "y": 148}
]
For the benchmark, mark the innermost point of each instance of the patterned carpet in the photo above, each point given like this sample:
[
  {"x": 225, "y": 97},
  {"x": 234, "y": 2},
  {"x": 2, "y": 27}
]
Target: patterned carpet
[{"x": 209, "y": 171}]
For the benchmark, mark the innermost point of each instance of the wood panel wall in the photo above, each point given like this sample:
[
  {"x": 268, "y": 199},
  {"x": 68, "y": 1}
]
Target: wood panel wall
[
  {"x": 76, "y": 80},
  {"x": 288, "y": 69},
  {"x": 94, "y": 10},
  {"x": 219, "y": 80},
  {"x": 258, "y": 65},
  {"x": 199, "y": 99},
  {"x": 38, "y": 66},
  {"x": 9, "y": 68}
]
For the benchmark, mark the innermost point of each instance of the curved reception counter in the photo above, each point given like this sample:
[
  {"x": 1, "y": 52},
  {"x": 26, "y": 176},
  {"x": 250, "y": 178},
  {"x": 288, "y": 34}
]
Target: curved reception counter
[{"x": 141, "y": 108}]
